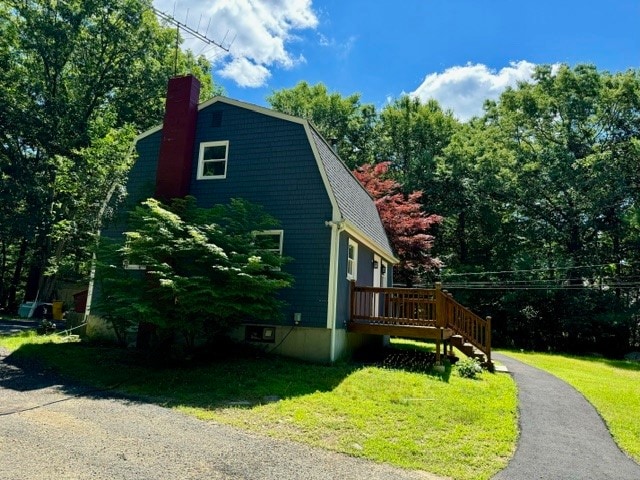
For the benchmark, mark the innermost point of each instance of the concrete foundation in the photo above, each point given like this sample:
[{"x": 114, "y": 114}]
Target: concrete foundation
[{"x": 304, "y": 343}]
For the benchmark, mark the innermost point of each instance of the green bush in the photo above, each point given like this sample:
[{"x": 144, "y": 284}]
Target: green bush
[{"x": 468, "y": 368}]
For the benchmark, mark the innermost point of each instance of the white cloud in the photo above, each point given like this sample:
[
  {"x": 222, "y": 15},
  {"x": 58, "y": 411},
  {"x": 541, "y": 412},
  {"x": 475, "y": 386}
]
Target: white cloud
[
  {"x": 464, "y": 89},
  {"x": 245, "y": 73},
  {"x": 260, "y": 32}
]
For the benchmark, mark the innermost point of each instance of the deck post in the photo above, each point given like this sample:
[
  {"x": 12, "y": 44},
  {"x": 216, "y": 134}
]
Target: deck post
[
  {"x": 440, "y": 306},
  {"x": 352, "y": 299},
  {"x": 488, "y": 337}
]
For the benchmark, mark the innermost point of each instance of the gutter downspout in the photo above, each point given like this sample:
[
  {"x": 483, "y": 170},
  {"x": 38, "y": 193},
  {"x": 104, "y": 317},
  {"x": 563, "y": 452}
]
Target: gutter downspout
[{"x": 336, "y": 228}]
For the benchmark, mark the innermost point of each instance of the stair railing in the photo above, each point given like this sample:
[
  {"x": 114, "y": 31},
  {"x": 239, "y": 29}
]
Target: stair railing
[{"x": 475, "y": 329}]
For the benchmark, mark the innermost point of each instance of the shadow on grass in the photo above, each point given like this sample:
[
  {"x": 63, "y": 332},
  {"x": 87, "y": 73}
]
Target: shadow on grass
[{"x": 243, "y": 380}]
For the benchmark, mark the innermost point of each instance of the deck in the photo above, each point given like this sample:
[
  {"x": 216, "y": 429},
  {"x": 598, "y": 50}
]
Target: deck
[{"x": 419, "y": 313}]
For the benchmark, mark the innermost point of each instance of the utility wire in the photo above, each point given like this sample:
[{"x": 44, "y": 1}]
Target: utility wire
[{"x": 549, "y": 269}]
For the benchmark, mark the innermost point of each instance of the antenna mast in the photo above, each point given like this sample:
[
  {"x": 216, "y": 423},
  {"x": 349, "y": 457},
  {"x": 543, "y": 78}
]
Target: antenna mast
[{"x": 183, "y": 26}]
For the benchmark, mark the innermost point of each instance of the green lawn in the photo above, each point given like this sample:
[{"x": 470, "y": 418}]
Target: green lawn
[
  {"x": 440, "y": 423},
  {"x": 612, "y": 387}
]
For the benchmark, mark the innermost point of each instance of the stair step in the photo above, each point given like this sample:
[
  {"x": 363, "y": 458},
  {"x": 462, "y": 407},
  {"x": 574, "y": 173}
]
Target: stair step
[{"x": 467, "y": 348}]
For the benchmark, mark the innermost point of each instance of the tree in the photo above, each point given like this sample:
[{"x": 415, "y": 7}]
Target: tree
[
  {"x": 405, "y": 222},
  {"x": 553, "y": 166},
  {"x": 412, "y": 135},
  {"x": 77, "y": 78},
  {"x": 572, "y": 132},
  {"x": 475, "y": 189},
  {"x": 341, "y": 119},
  {"x": 206, "y": 270}
]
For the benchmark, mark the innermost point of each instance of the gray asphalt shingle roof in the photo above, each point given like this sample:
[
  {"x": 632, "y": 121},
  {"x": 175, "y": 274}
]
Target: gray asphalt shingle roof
[{"x": 355, "y": 204}]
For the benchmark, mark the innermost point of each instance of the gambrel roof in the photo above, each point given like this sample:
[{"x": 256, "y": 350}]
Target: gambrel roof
[{"x": 353, "y": 207}]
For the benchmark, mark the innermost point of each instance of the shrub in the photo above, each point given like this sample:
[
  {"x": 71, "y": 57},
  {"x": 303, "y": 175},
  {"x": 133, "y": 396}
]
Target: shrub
[{"x": 468, "y": 368}]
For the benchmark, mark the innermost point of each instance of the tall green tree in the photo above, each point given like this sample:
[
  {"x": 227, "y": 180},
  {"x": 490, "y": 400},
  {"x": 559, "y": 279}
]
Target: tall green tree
[
  {"x": 554, "y": 163},
  {"x": 77, "y": 78},
  {"x": 205, "y": 271},
  {"x": 412, "y": 135},
  {"x": 475, "y": 186},
  {"x": 573, "y": 133}
]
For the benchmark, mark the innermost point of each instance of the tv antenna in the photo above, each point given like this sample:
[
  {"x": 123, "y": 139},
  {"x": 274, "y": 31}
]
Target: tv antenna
[{"x": 195, "y": 32}]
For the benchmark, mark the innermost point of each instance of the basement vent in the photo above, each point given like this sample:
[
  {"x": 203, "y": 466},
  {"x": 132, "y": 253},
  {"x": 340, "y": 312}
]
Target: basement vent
[
  {"x": 257, "y": 333},
  {"x": 216, "y": 118}
]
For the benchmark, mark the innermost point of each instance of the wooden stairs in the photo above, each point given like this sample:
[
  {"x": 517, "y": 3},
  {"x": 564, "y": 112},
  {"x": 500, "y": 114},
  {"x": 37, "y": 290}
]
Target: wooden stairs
[
  {"x": 467, "y": 348},
  {"x": 421, "y": 313}
]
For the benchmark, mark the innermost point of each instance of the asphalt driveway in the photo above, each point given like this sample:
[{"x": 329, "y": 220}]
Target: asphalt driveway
[{"x": 50, "y": 429}]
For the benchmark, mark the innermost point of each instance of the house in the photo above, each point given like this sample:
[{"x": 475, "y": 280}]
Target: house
[{"x": 330, "y": 227}]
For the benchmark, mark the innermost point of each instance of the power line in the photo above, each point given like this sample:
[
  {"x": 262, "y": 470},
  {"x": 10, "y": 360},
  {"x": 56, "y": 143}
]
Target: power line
[
  {"x": 549, "y": 286},
  {"x": 548, "y": 269}
]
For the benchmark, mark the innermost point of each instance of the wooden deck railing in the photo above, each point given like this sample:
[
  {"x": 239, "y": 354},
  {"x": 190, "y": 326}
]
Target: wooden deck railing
[
  {"x": 408, "y": 306},
  {"x": 422, "y": 307},
  {"x": 473, "y": 328}
]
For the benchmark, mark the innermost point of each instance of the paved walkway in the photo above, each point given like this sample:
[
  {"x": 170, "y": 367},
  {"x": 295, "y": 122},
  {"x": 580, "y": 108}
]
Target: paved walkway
[{"x": 562, "y": 437}]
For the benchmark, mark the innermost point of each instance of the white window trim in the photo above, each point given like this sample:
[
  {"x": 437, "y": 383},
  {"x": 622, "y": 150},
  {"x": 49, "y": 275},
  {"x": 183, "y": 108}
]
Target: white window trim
[
  {"x": 131, "y": 266},
  {"x": 201, "y": 161},
  {"x": 352, "y": 261},
  {"x": 273, "y": 232}
]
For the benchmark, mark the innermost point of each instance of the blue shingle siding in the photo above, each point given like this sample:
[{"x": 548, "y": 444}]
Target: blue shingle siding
[
  {"x": 271, "y": 163},
  {"x": 342, "y": 293},
  {"x": 140, "y": 184}
]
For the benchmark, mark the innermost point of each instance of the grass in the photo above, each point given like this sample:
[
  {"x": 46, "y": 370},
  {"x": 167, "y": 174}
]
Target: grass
[
  {"x": 612, "y": 387},
  {"x": 440, "y": 423}
]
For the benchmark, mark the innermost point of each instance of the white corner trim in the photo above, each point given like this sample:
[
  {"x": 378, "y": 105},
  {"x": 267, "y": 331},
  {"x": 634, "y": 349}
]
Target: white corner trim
[{"x": 332, "y": 294}]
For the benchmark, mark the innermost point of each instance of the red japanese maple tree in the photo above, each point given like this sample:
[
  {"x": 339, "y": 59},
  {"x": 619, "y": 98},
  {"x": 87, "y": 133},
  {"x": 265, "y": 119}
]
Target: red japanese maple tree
[{"x": 406, "y": 224}]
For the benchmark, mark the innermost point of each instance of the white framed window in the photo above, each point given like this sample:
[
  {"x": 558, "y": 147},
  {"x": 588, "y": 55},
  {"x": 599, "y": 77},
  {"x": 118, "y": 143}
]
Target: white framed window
[
  {"x": 126, "y": 263},
  {"x": 352, "y": 260},
  {"x": 212, "y": 160},
  {"x": 270, "y": 240}
]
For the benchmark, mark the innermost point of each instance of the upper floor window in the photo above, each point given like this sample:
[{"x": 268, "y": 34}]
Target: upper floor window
[
  {"x": 212, "y": 161},
  {"x": 352, "y": 260}
]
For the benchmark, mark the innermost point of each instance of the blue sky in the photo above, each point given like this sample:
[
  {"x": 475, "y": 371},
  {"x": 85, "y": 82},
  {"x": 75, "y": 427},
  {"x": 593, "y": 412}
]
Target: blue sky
[{"x": 457, "y": 51}]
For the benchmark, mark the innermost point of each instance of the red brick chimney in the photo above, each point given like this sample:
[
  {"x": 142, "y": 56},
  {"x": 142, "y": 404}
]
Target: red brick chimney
[{"x": 178, "y": 134}]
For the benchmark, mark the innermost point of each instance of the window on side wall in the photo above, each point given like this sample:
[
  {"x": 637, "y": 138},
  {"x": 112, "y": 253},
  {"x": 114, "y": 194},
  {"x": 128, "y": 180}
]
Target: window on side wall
[
  {"x": 352, "y": 260},
  {"x": 270, "y": 241},
  {"x": 212, "y": 160}
]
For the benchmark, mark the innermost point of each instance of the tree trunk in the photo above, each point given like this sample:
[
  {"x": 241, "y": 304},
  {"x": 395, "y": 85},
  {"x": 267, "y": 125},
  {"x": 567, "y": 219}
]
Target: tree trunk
[
  {"x": 17, "y": 275},
  {"x": 3, "y": 270}
]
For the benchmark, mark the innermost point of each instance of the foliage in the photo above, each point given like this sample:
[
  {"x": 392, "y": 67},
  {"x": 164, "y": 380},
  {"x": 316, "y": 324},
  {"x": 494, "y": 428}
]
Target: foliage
[
  {"x": 468, "y": 368},
  {"x": 204, "y": 270},
  {"x": 405, "y": 222},
  {"x": 542, "y": 232},
  {"x": 412, "y": 136},
  {"x": 77, "y": 80}
]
